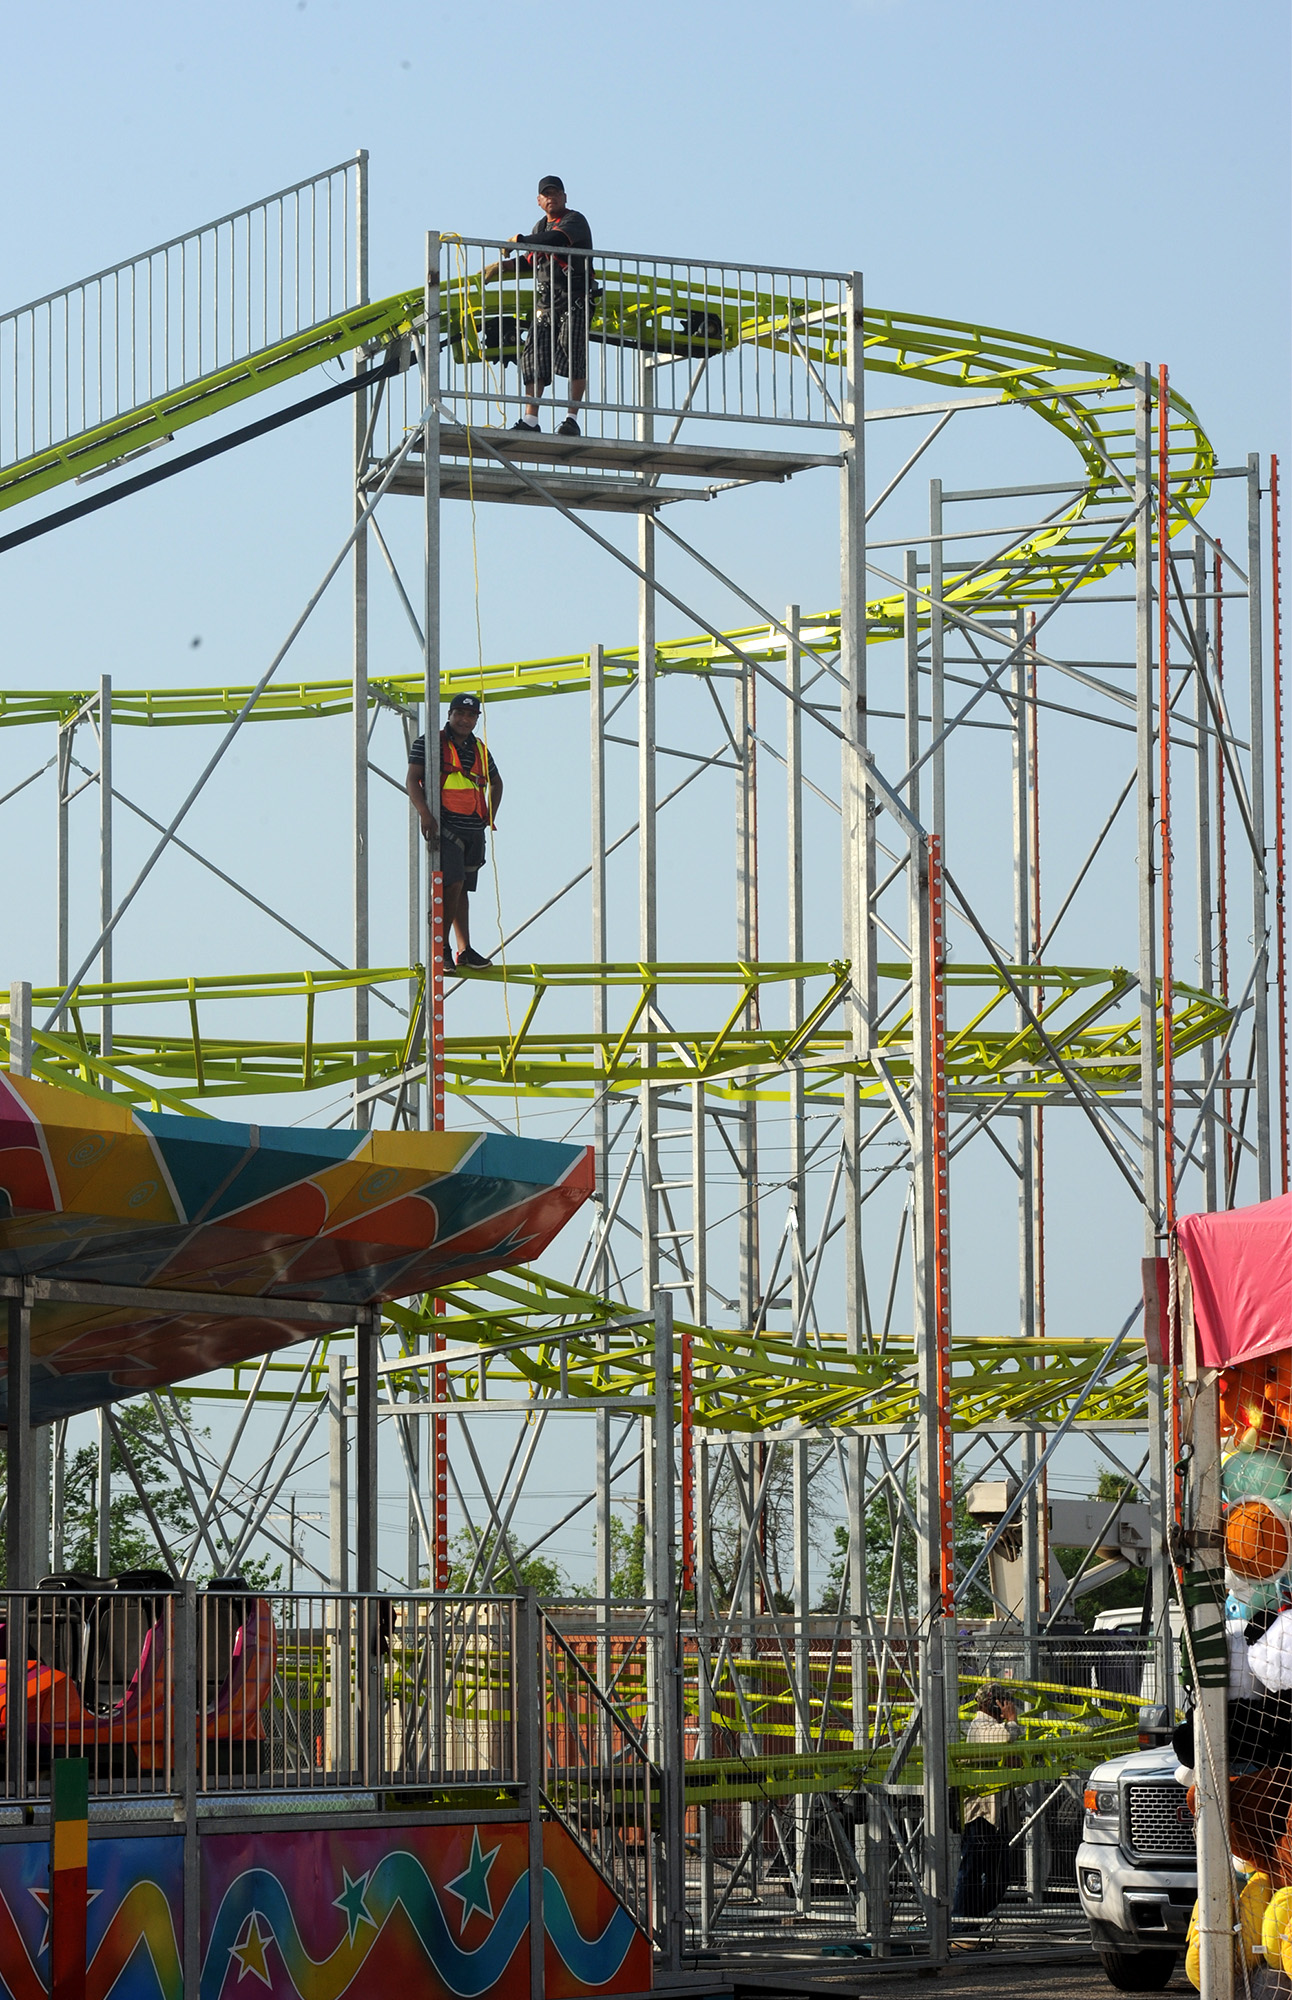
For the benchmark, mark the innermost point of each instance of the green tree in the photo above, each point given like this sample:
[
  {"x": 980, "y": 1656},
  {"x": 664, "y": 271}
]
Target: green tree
[
  {"x": 627, "y": 1558},
  {"x": 133, "y": 1543},
  {"x": 889, "y": 1536},
  {"x": 1125, "y": 1591},
  {"x": 727, "y": 1526},
  {"x": 533, "y": 1573}
]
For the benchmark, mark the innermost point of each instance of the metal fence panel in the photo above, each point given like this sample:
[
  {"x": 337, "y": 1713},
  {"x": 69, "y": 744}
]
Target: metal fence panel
[
  {"x": 290, "y": 1692},
  {"x": 598, "y": 1777},
  {"x": 143, "y": 328},
  {"x": 668, "y": 347}
]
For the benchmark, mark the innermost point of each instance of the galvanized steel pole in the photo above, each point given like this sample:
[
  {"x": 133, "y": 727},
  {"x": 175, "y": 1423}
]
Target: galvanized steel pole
[
  {"x": 1260, "y": 876},
  {"x": 1160, "y": 1472},
  {"x": 362, "y": 1112},
  {"x": 105, "y": 857}
]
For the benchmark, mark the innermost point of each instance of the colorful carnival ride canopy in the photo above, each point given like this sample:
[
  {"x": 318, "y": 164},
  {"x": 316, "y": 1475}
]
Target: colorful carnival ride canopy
[
  {"x": 1240, "y": 1271},
  {"x": 95, "y": 1193}
]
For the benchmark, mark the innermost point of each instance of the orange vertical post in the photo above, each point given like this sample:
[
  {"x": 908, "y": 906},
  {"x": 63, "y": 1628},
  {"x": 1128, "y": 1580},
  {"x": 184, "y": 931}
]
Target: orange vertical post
[
  {"x": 1164, "y": 787},
  {"x": 440, "y": 1477},
  {"x": 1280, "y": 831},
  {"x": 439, "y": 1373},
  {"x": 688, "y": 1464},
  {"x": 941, "y": 1276},
  {"x": 1222, "y": 858},
  {"x": 435, "y": 1004}
]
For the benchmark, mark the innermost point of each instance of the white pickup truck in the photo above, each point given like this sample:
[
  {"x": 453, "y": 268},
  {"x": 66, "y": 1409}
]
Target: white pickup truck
[{"x": 1136, "y": 1867}]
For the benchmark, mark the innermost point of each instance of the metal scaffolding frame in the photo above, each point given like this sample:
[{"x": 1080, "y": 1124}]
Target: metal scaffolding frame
[{"x": 893, "y": 1069}]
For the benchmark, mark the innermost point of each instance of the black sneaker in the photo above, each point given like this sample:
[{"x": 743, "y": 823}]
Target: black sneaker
[
  {"x": 521, "y": 425},
  {"x": 470, "y": 957},
  {"x": 448, "y": 959},
  {"x": 569, "y": 429}
]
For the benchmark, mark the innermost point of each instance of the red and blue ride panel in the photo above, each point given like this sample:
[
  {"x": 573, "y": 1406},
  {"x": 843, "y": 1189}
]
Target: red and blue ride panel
[
  {"x": 99, "y": 1192},
  {"x": 312, "y": 1914}
]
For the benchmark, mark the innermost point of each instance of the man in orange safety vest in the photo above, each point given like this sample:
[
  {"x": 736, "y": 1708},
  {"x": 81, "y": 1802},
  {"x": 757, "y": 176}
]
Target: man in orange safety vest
[{"x": 470, "y": 794}]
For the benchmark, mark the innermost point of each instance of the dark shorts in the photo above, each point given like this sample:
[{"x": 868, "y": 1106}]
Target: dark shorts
[
  {"x": 462, "y": 854},
  {"x": 539, "y": 361}
]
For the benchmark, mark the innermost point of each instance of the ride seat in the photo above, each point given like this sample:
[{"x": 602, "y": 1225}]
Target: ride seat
[
  {"x": 116, "y": 1629},
  {"x": 225, "y": 1607},
  {"x": 56, "y": 1632}
]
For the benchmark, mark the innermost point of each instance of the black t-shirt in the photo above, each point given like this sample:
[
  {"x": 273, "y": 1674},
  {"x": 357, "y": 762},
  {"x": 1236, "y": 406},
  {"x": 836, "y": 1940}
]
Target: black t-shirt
[
  {"x": 466, "y": 749},
  {"x": 573, "y": 275}
]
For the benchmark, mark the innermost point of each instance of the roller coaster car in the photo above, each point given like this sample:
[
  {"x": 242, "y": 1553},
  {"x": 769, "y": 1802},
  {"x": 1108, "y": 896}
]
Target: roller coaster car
[
  {"x": 494, "y": 337},
  {"x": 100, "y": 1685}
]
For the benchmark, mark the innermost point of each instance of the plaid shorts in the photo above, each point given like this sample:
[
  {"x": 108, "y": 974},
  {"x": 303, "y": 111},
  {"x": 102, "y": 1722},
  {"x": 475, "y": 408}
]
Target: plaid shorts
[
  {"x": 539, "y": 361},
  {"x": 462, "y": 854}
]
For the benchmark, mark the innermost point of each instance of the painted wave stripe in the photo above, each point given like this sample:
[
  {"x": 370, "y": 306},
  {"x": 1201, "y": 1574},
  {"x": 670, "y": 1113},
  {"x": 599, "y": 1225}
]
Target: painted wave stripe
[{"x": 400, "y": 1878}]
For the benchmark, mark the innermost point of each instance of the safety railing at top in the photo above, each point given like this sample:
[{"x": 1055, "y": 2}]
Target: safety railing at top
[
  {"x": 287, "y": 1692},
  {"x": 140, "y": 330},
  {"x": 664, "y": 344}
]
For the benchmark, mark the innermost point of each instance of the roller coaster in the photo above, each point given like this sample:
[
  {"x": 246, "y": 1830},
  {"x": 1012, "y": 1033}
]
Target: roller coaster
[{"x": 900, "y": 1053}]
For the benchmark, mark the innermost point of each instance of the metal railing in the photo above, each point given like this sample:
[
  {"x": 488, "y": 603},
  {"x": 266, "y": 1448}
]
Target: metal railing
[
  {"x": 141, "y": 329},
  {"x": 391, "y": 1691},
  {"x": 805, "y": 1766},
  {"x": 667, "y": 346},
  {"x": 288, "y": 1692},
  {"x": 99, "y": 1683},
  {"x": 597, "y": 1776}
]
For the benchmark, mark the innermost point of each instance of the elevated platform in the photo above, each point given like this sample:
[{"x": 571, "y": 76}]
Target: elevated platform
[{"x": 566, "y": 468}]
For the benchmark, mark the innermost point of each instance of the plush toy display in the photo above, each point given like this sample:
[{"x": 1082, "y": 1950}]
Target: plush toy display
[
  {"x": 1256, "y": 1482},
  {"x": 1219, "y": 1307}
]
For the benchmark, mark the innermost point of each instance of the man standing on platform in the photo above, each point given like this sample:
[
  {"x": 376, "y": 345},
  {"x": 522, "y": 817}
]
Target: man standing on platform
[
  {"x": 470, "y": 794},
  {"x": 564, "y": 292}
]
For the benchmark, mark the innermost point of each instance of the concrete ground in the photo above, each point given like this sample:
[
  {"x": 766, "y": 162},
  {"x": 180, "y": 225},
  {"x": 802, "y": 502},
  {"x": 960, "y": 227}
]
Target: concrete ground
[{"x": 1038, "y": 1975}]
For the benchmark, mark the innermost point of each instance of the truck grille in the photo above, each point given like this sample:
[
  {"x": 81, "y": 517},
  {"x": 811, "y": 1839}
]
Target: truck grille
[{"x": 1158, "y": 1820}]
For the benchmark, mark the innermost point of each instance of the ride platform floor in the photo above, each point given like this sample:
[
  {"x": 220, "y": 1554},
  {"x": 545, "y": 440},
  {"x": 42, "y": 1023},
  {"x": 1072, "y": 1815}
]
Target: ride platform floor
[{"x": 566, "y": 469}]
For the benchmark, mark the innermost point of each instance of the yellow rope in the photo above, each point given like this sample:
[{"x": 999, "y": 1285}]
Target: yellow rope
[{"x": 469, "y": 312}]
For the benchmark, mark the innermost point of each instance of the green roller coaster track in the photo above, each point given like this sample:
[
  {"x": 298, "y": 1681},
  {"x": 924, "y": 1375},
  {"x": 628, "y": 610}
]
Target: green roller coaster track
[
  {"x": 514, "y": 1337},
  {"x": 1082, "y": 1035},
  {"x": 523, "y": 1333},
  {"x": 1086, "y": 396}
]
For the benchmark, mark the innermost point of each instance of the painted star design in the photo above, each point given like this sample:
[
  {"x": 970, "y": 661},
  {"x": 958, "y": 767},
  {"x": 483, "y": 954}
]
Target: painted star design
[
  {"x": 42, "y": 1897},
  {"x": 352, "y": 1901},
  {"x": 471, "y": 1887},
  {"x": 250, "y": 1954}
]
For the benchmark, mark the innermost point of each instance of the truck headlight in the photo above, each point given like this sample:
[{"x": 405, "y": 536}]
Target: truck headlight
[
  {"x": 1092, "y": 1882},
  {"x": 1101, "y": 1805}
]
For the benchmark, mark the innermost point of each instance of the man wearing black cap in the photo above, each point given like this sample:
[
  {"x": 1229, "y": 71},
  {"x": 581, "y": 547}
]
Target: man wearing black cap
[
  {"x": 564, "y": 289},
  {"x": 470, "y": 794}
]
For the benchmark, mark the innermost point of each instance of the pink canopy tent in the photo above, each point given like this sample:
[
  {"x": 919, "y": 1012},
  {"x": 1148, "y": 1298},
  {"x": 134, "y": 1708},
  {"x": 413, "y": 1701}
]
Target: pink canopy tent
[{"x": 1240, "y": 1268}]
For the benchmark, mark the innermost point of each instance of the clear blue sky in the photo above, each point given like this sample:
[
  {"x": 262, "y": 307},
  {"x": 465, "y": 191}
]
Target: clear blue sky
[
  {"x": 1112, "y": 175},
  {"x": 1116, "y": 175}
]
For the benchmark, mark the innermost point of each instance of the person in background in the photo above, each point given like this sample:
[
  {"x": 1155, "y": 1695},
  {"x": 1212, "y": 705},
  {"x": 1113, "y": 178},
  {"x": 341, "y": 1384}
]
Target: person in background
[
  {"x": 470, "y": 794},
  {"x": 986, "y": 1821},
  {"x": 557, "y": 343}
]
